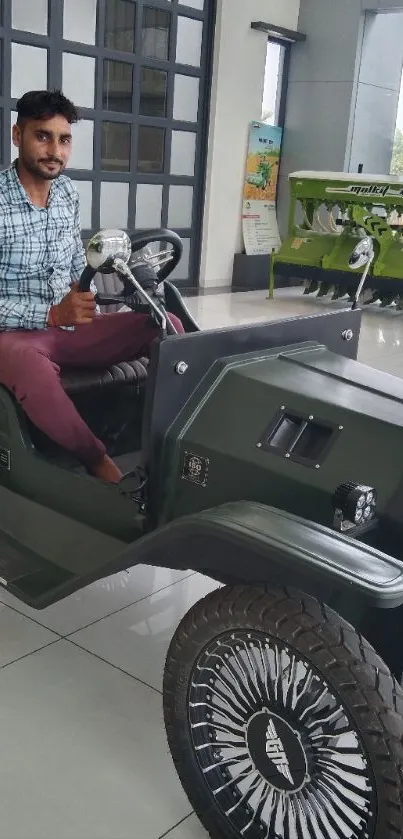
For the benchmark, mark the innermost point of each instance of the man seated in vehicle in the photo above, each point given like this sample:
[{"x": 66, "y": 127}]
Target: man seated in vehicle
[{"x": 45, "y": 321}]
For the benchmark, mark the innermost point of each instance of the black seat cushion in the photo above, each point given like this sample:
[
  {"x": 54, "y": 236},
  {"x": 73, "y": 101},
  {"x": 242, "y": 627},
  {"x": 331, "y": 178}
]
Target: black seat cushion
[{"x": 77, "y": 380}]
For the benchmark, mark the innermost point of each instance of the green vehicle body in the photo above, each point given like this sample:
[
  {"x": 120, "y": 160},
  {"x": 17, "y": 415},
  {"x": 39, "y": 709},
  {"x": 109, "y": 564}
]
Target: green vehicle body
[{"x": 220, "y": 498}]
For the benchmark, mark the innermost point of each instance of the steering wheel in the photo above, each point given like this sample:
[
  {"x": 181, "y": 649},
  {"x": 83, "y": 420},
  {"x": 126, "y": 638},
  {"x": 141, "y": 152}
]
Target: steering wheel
[
  {"x": 164, "y": 261},
  {"x": 144, "y": 268}
]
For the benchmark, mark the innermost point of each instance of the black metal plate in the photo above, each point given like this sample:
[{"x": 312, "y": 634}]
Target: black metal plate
[{"x": 167, "y": 391}]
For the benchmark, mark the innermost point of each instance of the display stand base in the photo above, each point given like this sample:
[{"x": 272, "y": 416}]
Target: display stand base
[{"x": 251, "y": 273}]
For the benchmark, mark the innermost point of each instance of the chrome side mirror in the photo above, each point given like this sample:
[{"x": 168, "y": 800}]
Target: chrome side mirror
[
  {"x": 362, "y": 254},
  {"x": 107, "y": 246}
]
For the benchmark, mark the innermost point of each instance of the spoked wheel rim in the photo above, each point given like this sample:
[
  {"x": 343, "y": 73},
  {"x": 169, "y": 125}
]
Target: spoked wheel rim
[{"x": 277, "y": 748}]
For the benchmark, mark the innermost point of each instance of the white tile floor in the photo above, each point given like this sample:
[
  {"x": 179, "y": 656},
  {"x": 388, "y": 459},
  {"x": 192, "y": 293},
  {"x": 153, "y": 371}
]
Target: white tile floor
[{"x": 83, "y": 746}]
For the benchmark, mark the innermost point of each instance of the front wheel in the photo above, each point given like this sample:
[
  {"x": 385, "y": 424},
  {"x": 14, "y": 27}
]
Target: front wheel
[{"x": 282, "y": 721}]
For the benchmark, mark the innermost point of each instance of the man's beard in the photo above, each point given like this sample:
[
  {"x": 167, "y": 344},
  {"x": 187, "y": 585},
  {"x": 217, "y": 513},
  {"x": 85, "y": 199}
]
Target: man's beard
[{"x": 36, "y": 169}]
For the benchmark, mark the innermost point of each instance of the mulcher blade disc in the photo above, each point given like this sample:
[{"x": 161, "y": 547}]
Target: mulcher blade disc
[
  {"x": 312, "y": 287},
  {"x": 374, "y": 299},
  {"x": 367, "y": 296},
  {"x": 387, "y": 300},
  {"x": 324, "y": 289},
  {"x": 338, "y": 292}
]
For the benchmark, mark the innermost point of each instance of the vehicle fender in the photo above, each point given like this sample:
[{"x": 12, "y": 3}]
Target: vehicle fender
[{"x": 248, "y": 542}]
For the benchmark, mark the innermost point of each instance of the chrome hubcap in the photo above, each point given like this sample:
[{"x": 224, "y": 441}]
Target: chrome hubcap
[{"x": 277, "y": 748}]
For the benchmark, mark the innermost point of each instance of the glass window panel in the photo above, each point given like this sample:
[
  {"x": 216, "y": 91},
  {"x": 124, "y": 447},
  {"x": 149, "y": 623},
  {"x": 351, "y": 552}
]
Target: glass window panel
[
  {"x": 118, "y": 86},
  {"x": 153, "y": 92},
  {"x": 183, "y": 153},
  {"x": 116, "y": 139},
  {"x": 272, "y": 83},
  {"x": 151, "y": 151},
  {"x": 79, "y": 79},
  {"x": 194, "y": 4},
  {"x": 120, "y": 25},
  {"x": 1, "y": 136},
  {"x": 1, "y": 64},
  {"x": 148, "y": 206},
  {"x": 186, "y": 98},
  {"x": 188, "y": 45},
  {"x": 114, "y": 204},
  {"x": 84, "y": 189},
  {"x": 180, "y": 206},
  {"x": 79, "y": 20},
  {"x": 14, "y": 151},
  {"x": 30, "y": 16},
  {"x": 397, "y": 161},
  {"x": 155, "y": 35},
  {"x": 29, "y": 69},
  {"x": 181, "y": 271},
  {"x": 82, "y": 156}
]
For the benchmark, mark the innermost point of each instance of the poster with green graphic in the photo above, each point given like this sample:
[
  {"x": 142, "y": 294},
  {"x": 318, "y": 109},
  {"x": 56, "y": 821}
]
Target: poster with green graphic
[{"x": 259, "y": 217}]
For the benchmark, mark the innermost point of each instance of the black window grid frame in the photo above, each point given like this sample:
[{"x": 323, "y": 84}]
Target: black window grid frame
[{"x": 56, "y": 45}]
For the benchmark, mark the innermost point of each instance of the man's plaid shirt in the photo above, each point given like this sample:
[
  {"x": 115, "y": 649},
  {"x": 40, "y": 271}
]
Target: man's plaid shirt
[{"x": 41, "y": 251}]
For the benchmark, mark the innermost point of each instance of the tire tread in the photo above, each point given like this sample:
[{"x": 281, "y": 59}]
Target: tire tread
[{"x": 368, "y": 689}]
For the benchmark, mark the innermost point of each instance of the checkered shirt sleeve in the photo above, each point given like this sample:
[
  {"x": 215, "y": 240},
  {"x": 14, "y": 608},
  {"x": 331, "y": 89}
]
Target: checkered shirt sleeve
[{"x": 41, "y": 251}]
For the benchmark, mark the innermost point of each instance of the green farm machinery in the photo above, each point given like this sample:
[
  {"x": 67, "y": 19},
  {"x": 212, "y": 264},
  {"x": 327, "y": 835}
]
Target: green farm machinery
[{"x": 329, "y": 214}]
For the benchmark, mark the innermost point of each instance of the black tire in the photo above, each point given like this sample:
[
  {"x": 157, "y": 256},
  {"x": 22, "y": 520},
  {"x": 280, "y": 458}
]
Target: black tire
[{"x": 309, "y": 635}]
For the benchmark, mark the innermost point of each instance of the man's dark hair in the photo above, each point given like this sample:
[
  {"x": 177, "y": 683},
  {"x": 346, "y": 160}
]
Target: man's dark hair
[{"x": 45, "y": 104}]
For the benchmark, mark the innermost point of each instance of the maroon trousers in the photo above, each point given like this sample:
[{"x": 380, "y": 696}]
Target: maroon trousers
[{"x": 30, "y": 365}]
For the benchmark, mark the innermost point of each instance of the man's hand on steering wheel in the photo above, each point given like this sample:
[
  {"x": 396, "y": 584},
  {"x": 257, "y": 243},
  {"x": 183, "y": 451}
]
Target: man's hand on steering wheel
[{"x": 76, "y": 309}]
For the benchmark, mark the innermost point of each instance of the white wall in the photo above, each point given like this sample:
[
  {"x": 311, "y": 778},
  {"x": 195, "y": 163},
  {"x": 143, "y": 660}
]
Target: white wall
[{"x": 238, "y": 80}]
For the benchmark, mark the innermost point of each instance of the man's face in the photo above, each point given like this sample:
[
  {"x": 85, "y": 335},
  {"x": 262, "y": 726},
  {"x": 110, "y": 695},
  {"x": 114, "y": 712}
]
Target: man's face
[{"x": 44, "y": 146}]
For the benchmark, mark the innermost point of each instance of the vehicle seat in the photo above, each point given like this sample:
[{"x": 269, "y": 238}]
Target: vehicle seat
[{"x": 77, "y": 380}]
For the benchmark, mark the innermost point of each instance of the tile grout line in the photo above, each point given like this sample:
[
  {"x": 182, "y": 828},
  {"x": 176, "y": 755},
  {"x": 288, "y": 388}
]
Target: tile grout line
[
  {"x": 28, "y": 617},
  {"x": 27, "y": 655},
  {"x": 166, "y": 834},
  {"x": 109, "y": 663},
  {"x": 84, "y": 650},
  {"x": 128, "y": 606},
  {"x": 97, "y": 620},
  {"x": 178, "y": 824}
]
